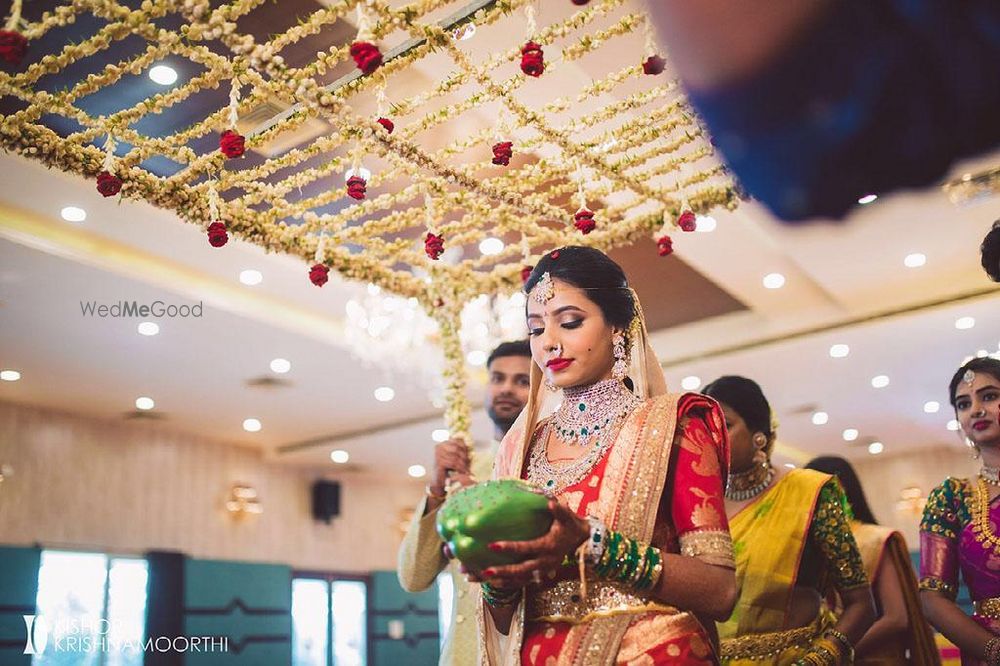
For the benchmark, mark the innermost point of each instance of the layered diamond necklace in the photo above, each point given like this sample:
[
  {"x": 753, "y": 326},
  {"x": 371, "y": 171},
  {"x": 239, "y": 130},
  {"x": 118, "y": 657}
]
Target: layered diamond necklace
[{"x": 588, "y": 417}]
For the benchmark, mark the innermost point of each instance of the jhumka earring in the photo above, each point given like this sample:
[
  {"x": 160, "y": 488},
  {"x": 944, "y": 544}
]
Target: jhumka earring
[{"x": 620, "y": 368}]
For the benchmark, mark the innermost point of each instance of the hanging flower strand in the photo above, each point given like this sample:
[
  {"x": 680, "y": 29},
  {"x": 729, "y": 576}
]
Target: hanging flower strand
[
  {"x": 654, "y": 63},
  {"x": 687, "y": 220},
  {"x": 357, "y": 186},
  {"x": 108, "y": 184},
  {"x": 503, "y": 149},
  {"x": 13, "y": 45},
  {"x": 217, "y": 234},
  {"x": 532, "y": 56},
  {"x": 664, "y": 244},
  {"x": 365, "y": 53},
  {"x": 433, "y": 243},
  {"x": 319, "y": 274},
  {"x": 381, "y": 100},
  {"x": 232, "y": 143},
  {"x": 526, "y": 267},
  {"x": 584, "y": 217}
]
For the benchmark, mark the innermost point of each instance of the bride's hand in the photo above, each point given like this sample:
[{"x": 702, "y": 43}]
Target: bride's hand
[{"x": 543, "y": 556}]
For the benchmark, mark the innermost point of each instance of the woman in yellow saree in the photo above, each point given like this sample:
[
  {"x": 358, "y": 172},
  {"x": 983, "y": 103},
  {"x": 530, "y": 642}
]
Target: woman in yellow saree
[
  {"x": 638, "y": 562},
  {"x": 793, "y": 545},
  {"x": 901, "y": 634}
]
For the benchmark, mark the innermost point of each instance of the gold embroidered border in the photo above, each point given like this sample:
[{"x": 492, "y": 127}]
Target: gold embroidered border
[
  {"x": 765, "y": 646},
  {"x": 988, "y": 608},
  {"x": 562, "y": 602},
  {"x": 711, "y": 546}
]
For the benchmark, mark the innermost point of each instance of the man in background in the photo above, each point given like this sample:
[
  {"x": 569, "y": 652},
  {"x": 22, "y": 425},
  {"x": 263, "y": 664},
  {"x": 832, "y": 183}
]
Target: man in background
[{"x": 420, "y": 557}]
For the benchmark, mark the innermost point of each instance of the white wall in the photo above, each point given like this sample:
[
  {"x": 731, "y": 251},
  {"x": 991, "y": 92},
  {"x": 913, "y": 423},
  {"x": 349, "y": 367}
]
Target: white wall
[{"x": 129, "y": 486}]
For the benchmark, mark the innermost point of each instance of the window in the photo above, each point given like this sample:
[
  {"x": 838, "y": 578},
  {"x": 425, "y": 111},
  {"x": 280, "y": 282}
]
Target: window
[
  {"x": 446, "y": 597},
  {"x": 94, "y": 606},
  {"x": 329, "y": 621}
]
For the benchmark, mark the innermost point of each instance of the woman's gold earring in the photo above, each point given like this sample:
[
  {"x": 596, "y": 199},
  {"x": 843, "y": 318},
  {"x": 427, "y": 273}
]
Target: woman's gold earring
[
  {"x": 620, "y": 368},
  {"x": 973, "y": 448}
]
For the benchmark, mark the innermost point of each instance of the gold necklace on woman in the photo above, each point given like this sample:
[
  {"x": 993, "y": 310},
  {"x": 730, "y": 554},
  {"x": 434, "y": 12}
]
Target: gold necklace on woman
[
  {"x": 743, "y": 486},
  {"x": 981, "y": 529}
]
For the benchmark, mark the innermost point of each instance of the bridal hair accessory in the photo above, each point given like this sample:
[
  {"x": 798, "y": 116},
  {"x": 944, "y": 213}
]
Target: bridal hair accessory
[
  {"x": 968, "y": 377},
  {"x": 544, "y": 289}
]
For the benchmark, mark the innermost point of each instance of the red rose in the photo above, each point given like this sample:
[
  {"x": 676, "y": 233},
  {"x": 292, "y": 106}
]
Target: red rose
[
  {"x": 108, "y": 184},
  {"x": 526, "y": 273},
  {"x": 217, "y": 236},
  {"x": 584, "y": 221},
  {"x": 319, "y": 274},
  {"x": 654, "y": 65},
  {"x": 387, "y": 124},
  {"x": 232, "y": 144},
  {"x": 687, "y": 221},
  {"x": 366, "y": 56},
  {"x": 580, "y": 2},
  {"x": 664, "y": 246},
  {"x": 433, "y": 245},
  {"x": 532, "y": 59},
  {"x": 554, "y": 254},
  {"x": 13, "y": 46},
  {"x": 502, "y": 152},
  {"x": 356, "y": 187}
]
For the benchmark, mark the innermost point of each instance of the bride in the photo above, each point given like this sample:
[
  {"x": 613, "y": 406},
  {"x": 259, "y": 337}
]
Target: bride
[{"x": 638, "y": 563}]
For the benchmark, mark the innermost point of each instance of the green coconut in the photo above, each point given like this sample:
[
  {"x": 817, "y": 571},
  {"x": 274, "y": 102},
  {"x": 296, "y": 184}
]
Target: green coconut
[{"x": 504, "y": 510}]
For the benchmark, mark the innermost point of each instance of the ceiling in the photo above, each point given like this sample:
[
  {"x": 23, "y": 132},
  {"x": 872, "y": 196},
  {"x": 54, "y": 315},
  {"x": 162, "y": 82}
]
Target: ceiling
[{"x": 845, "y": 283}]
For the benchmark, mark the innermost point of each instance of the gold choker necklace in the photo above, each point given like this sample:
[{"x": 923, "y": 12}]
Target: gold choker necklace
[{"x": 743, "y": 486}]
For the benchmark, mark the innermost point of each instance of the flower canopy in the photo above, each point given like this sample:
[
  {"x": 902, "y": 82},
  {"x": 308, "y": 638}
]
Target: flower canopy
[{"x": 517, "y": 164}]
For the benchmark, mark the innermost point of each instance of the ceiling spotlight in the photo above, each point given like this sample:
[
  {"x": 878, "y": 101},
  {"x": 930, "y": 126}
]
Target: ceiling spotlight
[
  {"x": 281, "y": 365},
  {"x": 867, "y": 199},
  {"x": 965, "y": 323},
  {"x": 163, "y": 75},
  {"x": 440, "y": 435},
  {"x": 10, "y": 375},
  {"x": 774, "y": 281},
  {"x": 850, "y": 434},
  {"x": 340, "y": 456},
  {"x": 839, "y": 351},
  {"x": 820, "y": 418},
  {"x": 790, "y": 465},
  {"x": 384, "y": 394},
  {"x": 880, "y": 381},
  {"x": 251, "y": 277},
  {"x": 705, "y": 223},
  {"x": 73, "y": 214},
  {"x": 953, "y": 425},
  {"x": 148, "y": 328},
  {"x": 932, "y": 407},
  {"x": 490, "y": 246},
  {"x": 251, "y": 425},
  {"x": 417, "y": 471},
  {"x": 915, "y": 260},
  {"x": 144, "y": 403},
  {"x": 876, "y": 448},
  {"x": 476, "y": 357},
  {"x": 691, "y": 383}
]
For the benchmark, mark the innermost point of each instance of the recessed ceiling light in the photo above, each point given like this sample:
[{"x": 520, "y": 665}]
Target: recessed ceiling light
[
  {"x": 148, "y": 328},
  {"x": 774, "y": 281},
  {"x": 953, "y": 425},
  {"x": 491, "y": 246},
  {"x": 163, "y": 75},
  {"x": 691, "y": 383},
  {"x": 850, "y": 434},
  {"x": 880, "y": 381},
  {"x": 705, "y": 224},
  {"x": 417, "y": 471},
  {"x": 476, "y": 357},
  {"x": 965, "y": 323},
  {"x": 915, "y": 260},
  {"x": 251, "y": 425},
  {"x": 876, "y": 448},
  {"x": 790, "y": 465},
  {"x": 839, "y": 351},
  {"x": 281, "y": 365},
  {"x": 867, "y": 199},
  {"x": 932, "y": 406},
  {"x": 820, "y": 418},
  {"x": 73, "y": 214},
  {"x": 384, "y": 394},
  {"x": 251, "y": 277},
  {"x": 340, "y": 456},
  {"x": 10, "y": 375},
  {"x": 144, "y": 403},
  {"x": 440, "y": 435}
]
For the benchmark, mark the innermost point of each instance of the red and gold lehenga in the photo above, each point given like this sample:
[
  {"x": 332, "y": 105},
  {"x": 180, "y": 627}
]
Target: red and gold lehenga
[{"x": 660, "y": 481}]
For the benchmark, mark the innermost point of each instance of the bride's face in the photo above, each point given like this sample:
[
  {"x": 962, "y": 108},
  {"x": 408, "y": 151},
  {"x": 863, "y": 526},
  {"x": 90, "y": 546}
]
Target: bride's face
[{"x": 570, "y": 339}]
